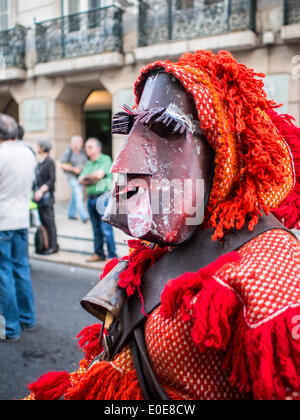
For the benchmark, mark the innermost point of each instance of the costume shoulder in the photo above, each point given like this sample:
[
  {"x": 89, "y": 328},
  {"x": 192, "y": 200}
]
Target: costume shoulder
[
  {"x": 248, "y": 308},
  {"x": 267, "y": 278}
]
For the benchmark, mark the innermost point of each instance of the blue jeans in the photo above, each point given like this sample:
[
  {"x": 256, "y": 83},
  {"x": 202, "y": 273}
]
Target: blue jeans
[
  {"x": 16, "y": 294},
  {"x": 101, "y": 230},
  {"x": 77, "y": 201}
]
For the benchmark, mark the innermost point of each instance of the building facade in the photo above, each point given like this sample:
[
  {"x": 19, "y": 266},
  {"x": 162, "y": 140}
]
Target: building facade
[{"x": 67, "y": 65}]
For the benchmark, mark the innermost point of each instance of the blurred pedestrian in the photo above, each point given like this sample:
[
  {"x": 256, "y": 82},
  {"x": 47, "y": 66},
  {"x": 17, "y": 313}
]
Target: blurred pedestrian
[
  {"x": 44, "y": 193},
  {"x": 72, "y": 163},
  {"x": 97, "y": 178},
  {"x": 34, "y": 214},
  {"x": 21, "y": 133},
  {"x": 17, "y": 165},
  {"x": 20, "y": 138}
]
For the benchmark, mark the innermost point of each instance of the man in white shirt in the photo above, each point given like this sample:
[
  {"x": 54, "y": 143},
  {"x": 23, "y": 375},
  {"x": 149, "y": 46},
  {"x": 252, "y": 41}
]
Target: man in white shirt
[{"x": 17, "y": 166}]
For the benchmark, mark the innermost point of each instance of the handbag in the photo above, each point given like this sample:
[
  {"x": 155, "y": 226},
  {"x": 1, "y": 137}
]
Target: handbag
[{"x": 46, "y": 200}]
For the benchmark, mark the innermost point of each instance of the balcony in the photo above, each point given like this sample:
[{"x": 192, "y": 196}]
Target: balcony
[
  {"x": 93, "y": 32},
  {"x": 167, "y": 20},
  {"x": 12, "y": 48},
  {"x": 292, "y": 12},
  {"x": 290, "y": 32}
]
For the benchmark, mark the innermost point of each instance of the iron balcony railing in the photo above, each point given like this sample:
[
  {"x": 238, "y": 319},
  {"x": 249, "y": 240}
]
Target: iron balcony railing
[
  {"x": 165, "y": 20},
  {"x": 93, "y": 32},
  {"x": 12, "y": 47},
  {"x": 292, "y": 11}
]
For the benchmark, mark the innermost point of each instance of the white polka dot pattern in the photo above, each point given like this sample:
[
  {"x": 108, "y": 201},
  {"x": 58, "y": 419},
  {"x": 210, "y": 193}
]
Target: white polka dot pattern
[
  {"x": 179, "y": 365},
  {"x": 267, "y": 280},
  {"x": 268, "y": 277}
]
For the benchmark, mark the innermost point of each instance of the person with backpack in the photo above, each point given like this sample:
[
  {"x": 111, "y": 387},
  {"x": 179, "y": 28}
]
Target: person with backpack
[{"x": 72, "y": 163}]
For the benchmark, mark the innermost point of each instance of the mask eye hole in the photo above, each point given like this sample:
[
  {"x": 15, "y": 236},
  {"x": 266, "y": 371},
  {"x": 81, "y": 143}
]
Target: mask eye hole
[{"x": 164, "y": 131}]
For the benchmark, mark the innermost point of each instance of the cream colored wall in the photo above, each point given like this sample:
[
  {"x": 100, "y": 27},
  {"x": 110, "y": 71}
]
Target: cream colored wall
[
  {"x": 277, "y": 60},
  {"x": 26, "y": 11}
]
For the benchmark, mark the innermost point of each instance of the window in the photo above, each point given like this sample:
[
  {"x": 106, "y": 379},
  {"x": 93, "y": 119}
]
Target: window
[
  {"x": 94, "y": 4},
  {"x": 292, "y": 12},
  {"x": 94, "y": 16},
  {"x": 211, "y": 2},
  {"x": 74, "y": 6},
  {"x": 184, "y": 4},
  {"x": 4, "y": 14},
  {"x": 74, "y": 21}
]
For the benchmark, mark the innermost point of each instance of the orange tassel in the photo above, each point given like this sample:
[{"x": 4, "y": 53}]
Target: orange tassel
[{"x": 103, "y": 381}]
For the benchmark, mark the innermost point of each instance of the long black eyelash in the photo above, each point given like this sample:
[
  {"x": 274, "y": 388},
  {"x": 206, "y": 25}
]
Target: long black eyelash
[
  {"x": 169, "y": 120},
  {"x": 122, "y": 122}
]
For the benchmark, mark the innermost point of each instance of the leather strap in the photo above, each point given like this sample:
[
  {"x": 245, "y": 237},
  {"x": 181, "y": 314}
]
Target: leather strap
[
  {"x": 151, "y": 388},
  {"x": 200, "y": 251}
]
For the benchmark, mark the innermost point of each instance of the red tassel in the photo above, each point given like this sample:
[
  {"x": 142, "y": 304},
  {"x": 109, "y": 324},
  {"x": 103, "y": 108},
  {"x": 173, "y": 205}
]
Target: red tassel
[
  {"x": 262, "y": 360},
  {"x": 105, "y": 382},
  {"x": 211, "y": 306},
  {"x": 109, "y": 267},
  {"x": 289, "y": 210},
  {"x": 266, "y": 360},
  {"x": 51, "y": 387},
  {"x": 89, "y": 341},
  {"x": 140, "y": 261}
]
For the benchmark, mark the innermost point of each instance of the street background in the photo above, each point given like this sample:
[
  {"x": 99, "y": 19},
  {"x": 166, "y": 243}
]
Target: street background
[
  {"x": 76, "y": 241},
  {"x": 60, "y": 281},
  {"x": 53, "y": 347}
]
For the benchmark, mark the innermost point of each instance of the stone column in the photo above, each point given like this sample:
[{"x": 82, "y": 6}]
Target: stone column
[{"x": 120, "y": 83}]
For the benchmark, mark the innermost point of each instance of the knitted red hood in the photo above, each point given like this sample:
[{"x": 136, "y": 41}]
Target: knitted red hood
[{"x": 257, "y": 163}]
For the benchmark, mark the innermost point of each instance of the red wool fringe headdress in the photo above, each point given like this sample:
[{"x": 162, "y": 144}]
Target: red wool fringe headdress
[{"x": 257, "y": 152}]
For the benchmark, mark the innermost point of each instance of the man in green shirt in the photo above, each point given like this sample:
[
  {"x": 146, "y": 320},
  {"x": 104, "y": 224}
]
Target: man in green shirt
[{"x": 97, "y": 178}]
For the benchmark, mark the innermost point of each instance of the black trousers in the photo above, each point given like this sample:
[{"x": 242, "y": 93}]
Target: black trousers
[{"x": 48, "y": 221}]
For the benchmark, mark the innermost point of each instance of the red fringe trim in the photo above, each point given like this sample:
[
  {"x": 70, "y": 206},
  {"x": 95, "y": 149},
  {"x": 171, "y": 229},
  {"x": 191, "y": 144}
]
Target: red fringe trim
[
  {"x": 201, "y": 299},
  {"x": 109, "y": 267},
  {"x": 51, "y": 387},
  {"x": 104, "y": 382},
  {"x": 89, "y": 341},
  {"x": 289, "y": 211},
  {"x": 264, "y": 360},
  {"x": 140, "y": 260}
]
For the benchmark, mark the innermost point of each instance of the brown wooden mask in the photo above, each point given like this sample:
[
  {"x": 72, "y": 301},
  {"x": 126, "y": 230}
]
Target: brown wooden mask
[{"x": 165, "y": 167}]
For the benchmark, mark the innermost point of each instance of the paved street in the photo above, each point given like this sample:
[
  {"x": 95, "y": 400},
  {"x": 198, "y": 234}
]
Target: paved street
[
  {"x": 76, "y": 241},
  {"x": 58, "y": 290}
]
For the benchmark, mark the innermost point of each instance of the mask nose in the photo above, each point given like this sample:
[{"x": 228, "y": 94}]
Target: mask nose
[{"x": 138, "y": 156}]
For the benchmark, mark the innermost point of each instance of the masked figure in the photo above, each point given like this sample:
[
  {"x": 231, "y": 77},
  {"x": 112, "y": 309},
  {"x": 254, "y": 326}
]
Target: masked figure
[{"x": 207, "y": 304}]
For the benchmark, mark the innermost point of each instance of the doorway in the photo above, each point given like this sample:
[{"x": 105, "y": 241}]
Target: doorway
[
  {"x": 98, "y": 124},
  {"x": 97, "y": 118}
]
